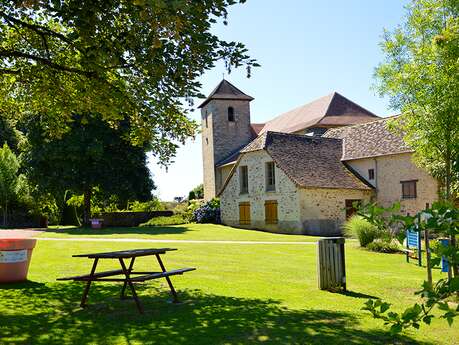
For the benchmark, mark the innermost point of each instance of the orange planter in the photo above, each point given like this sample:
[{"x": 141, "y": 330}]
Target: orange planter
[{"x": 15, "y": 255}]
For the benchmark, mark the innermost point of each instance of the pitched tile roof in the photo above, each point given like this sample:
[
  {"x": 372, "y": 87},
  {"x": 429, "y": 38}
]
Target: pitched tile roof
[
  {"x": 226, "y": 90},
  {"x": 368, "y": 140},
  {"x": 308, "y": 161},
  {"x": 256, "y": 128},
  {"x": 331, "y": 110}
]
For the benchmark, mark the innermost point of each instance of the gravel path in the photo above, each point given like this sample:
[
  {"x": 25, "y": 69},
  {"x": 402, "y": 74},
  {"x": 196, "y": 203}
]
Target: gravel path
[{"x": 89, "y": 239}]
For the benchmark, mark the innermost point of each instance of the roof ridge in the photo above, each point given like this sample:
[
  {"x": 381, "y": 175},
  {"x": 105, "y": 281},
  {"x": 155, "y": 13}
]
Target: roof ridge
[
  {"x": 335, "y": 93},
  {"x": 304, "y": 136},
  {"x": 331, "y": 130}
]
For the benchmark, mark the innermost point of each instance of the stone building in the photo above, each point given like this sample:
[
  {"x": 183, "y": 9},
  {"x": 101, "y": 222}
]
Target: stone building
[{"x": 302, "y": 171}]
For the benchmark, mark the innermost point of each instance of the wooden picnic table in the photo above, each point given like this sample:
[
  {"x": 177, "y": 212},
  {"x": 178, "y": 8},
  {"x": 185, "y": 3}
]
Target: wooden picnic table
[{"x": 128, "y": 275}]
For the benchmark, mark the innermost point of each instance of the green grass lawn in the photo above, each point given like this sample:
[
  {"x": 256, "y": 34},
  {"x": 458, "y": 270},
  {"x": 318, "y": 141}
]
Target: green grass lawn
[
  {"x": 239, "y": 294},
  {"x": 205, "y": 232}
]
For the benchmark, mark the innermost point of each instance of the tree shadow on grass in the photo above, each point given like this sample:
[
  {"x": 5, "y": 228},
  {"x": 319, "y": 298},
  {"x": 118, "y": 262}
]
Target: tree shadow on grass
[
  {"x": 34, "y": 313},
  {"x": 153, "y": 230},
  {"x": 355, "y": 294}
]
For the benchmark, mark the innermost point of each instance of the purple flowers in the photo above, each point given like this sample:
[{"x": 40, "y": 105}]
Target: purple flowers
[{"x": 208, "y": 213}]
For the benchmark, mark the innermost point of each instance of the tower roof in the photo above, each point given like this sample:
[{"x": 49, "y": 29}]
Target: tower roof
[
  {"x": 332, "y": 110},
  {"x": 227, "y": 91}
]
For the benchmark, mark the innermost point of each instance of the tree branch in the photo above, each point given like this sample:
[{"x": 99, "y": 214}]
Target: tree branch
[
  {"x": 45, "y": 61},
  {"x": 37, "y": 28}
]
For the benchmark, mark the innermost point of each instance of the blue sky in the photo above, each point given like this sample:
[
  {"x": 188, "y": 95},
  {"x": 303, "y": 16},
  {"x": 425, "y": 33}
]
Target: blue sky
[{"x": 307, "y": 49}]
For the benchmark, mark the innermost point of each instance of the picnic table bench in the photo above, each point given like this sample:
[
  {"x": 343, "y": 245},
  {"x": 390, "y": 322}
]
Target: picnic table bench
[{"x": 128, "y": 275}]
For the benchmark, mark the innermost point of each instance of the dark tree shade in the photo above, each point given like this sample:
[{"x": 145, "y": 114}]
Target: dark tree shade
[{"x": 89, "y": 154}]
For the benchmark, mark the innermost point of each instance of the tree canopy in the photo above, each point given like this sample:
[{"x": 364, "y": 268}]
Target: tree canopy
[
  {"x": 139, "y": 59},
  {"x": 420, "y": 74},
  {"x": 91, "y": 154}
]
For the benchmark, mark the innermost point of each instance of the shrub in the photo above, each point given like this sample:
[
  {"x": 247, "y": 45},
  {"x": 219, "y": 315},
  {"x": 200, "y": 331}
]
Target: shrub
[
  {"x": 176, "y": 219},
  {"x": 385, "y": 246},
  {"x": 208, "y": 213},
  {"x": 361, "y": 229},
  {"x": 147, "y": 206}
]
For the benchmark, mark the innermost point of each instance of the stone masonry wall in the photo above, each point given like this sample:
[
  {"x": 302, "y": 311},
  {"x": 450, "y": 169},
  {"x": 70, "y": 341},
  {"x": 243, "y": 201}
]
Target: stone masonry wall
[
  {"x": 389, "y": 171},
  {"x": 221, "y": 137},
  {"x": 323, "y": 210},
  {"x": 286, "y": 194}
]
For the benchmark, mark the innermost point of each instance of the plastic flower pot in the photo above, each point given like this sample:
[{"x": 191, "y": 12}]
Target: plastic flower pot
[{"x": 15, "y": 255}]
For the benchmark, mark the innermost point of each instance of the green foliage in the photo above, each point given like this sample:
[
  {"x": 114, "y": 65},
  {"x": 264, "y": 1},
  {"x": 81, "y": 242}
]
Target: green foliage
[
  {"x": 13, "y": 185},
  {"x": 90, "y": 154},
  {"x": 147, "y": 206},
  {"x": 360, "y": 228},
  {"x": 441, "y": 219},
  {"x": 385, "y": 245},
  {"x": 176, "y": 219},
  {"x": 136, "y": 59},
  {"x": 381, "y": 217},
  {"x": 9, "y": 134},
  {"x": 420, "y": 74},
  {"x": 196, "y": 193},
  {"x": 208, "y": 212}
]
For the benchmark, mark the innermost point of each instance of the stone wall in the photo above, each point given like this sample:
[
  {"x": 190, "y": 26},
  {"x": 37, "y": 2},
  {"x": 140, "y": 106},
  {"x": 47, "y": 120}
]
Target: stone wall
[
  {"x": 389, "y": 171},
  {"x": 286, "y": 194},
  {"x": 129, "y": 219},
  {"x": 323, "y": 210}
]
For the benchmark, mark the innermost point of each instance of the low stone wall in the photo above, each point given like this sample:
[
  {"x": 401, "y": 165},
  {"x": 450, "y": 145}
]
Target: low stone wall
[{"x": 128, "y": 219}]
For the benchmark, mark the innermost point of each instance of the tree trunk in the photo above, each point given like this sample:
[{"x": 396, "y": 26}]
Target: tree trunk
[{"x": 87, "y": 207}]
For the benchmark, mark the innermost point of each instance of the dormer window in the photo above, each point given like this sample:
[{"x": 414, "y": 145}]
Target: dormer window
[{"x": 230, "y": 114}]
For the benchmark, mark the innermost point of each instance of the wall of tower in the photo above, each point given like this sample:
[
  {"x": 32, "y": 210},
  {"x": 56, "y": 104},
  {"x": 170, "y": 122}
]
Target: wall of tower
[{"x": 221, "y": 137}]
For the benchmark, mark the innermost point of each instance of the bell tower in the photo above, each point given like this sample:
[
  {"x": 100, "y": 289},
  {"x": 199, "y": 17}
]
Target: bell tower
[{"x": 225, "y": 118}]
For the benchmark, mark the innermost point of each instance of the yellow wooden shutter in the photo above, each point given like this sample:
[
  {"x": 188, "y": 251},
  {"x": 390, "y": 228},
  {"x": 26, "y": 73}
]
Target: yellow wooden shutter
[
  {"x": 244, "y": 213},
  {"x": 271, "y": 211}
]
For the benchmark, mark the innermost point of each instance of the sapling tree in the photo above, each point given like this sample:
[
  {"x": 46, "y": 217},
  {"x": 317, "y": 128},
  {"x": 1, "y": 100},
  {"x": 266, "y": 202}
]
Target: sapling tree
[{"x": 441, "y": 219}]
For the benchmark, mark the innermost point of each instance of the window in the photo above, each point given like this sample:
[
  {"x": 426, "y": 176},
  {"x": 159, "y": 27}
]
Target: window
[
  {"x": 270, "y": 176},
  {"x": 271, "y": 212},
  {"x": 409, "y": 189},
  {"x": 371, "y": 174},
  {"x": 244, "y": 213},
  {"x": 207, "y": 141},
  {"x": 230, "y": 114},
  {"x": 207, "y": 125},
  {"x": 244, "y": 179}
]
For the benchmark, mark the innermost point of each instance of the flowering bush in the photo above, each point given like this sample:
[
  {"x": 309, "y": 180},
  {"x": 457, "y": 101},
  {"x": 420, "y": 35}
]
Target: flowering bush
[{"x": 208, "y": 213}]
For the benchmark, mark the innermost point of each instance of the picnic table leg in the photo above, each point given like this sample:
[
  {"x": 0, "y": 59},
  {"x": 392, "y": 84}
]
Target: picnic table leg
[
  {"x": 169, "y": 282},
  {"x": 88, "y": 284},
  {"x": 128, "y": 281},
  {"x": 123, "y": 290}
]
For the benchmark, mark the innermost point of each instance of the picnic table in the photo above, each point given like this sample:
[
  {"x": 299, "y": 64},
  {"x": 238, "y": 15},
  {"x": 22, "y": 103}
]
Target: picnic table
[{"x": 128, "y": 275}]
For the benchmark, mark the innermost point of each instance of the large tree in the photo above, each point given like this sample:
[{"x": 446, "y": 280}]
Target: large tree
[
  {"x": 139, "y": 59},
  {"x": 90, "y": 154},
  {"x": 420, "y": 74}
]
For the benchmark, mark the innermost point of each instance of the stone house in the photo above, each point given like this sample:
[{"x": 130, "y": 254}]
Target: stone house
[{"x": 302, "y": 171}]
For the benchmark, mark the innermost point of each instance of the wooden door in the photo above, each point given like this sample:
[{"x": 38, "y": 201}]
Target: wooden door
[{"x": 350, "y": 209}]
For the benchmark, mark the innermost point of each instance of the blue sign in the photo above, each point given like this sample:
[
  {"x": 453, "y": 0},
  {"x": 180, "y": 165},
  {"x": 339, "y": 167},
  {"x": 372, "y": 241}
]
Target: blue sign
[
  {"x": 444, "y": 262},
  {"x": 412, "y": 238}
]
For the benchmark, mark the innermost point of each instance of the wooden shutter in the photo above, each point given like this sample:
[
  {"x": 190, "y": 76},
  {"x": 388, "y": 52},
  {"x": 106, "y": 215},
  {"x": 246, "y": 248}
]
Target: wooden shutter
[
  {"x": 271, "y": 211},
  {"x": 244, "y": 213}
]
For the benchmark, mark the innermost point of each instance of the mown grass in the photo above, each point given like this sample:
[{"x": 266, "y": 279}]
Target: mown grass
[
  {"x": 239, "y": 294},
  {"x": 178, "y": 232}
]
